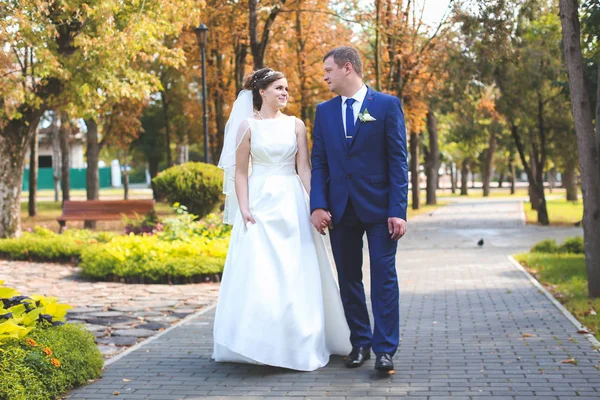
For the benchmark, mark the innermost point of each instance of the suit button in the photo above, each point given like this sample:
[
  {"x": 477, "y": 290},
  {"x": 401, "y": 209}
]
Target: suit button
[{"x": 349, "y": 176}]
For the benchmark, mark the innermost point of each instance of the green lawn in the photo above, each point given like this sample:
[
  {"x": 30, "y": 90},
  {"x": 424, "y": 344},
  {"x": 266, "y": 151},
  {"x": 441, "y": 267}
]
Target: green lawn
[
  {"x": 560, "y": 212},
  {"x": 565, "y": 277}
]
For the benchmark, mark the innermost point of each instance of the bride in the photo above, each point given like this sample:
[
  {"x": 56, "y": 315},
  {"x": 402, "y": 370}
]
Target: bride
[{"x": 279, "y": 303}]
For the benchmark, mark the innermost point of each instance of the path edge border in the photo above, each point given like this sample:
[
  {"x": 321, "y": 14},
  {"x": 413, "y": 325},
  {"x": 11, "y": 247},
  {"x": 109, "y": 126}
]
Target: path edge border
[
  {"x": 139, "y": 345},
  {"x": 591, "y": 338}
]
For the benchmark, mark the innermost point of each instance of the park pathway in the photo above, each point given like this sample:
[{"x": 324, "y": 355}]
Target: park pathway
[{"x": 464, "y": 311}]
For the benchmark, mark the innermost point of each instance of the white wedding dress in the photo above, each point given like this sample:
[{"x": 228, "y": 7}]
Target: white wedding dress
[{"x": 279, "y": 302}]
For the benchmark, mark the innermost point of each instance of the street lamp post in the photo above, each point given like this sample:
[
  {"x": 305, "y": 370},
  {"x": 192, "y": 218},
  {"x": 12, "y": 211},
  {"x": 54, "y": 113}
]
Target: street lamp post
[{"x": 202, "y": 34}]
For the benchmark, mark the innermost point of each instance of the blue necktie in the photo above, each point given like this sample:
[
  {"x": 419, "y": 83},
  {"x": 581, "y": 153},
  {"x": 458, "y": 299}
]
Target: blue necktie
[{"x": 349, "y": 120}]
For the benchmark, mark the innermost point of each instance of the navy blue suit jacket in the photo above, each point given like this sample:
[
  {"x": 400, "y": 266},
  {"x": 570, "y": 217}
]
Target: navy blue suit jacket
[{"x": 372, "y": 171}]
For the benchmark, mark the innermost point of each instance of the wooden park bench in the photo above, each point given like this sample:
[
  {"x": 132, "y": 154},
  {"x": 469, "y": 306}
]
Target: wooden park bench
[{"x": 102, "y": 210}]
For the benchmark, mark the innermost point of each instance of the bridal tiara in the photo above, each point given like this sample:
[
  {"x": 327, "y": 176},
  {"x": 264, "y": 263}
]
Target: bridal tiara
[{"x": 267, "y": 75}]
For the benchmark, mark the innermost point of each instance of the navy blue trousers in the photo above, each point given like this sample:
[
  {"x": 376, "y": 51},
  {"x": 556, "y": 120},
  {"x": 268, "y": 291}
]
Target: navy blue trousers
[{"x": 347, "y": 245}]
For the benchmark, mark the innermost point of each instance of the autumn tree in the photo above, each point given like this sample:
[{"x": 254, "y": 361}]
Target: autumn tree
[
  {"x": 588, "y": 142},
  {"x": 80, "y": 56}
]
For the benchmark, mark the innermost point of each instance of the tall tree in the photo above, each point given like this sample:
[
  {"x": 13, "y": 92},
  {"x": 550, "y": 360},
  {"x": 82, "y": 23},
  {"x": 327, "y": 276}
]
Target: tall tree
[
  {"x": 259, "y": 46},
  {"x": 589, "y": 156}
]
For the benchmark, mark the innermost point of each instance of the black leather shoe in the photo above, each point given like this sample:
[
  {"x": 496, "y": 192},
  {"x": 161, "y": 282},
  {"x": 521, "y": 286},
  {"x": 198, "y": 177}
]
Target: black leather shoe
[
  {"x": 384, "y": 362},
  {"x": 358, "y": 356}
]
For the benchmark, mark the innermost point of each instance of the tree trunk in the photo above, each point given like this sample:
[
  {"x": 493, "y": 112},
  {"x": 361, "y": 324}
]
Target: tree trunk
[
  {"x": 533, "y": 194},
  {"x": 414, "y": 170},
  {"x": 432, "y": 162},
  {"x": 65, "y": 149},
  {"x": 589, "y": 156},
  {"x": 489, "y": 160},
  {"x": 259, "y": 47},
  {"x": 501, "y": 179},
  {"x": 453, "y": 177},
  {"x": 165, "y": 105},
  {"x": 472, "y": 168},
  {"x": 33, "y": 173},
  {"x": 513, "y": 175},
  {"x": 56, "y": 160},
  {"x": 464, "y": 177},
  {"x": 541, "y": 162},
  {"x": 241, "y": 51},
  {"x": 14, "y": 139},
  {"x": 219, "y": 102},
  {"x": 551, "y": 175},
  {"x": 125, "y": 177},
  {"x": 153, "y": 164},
  {"x": 570, "y": 180},
  {"x": 598, "y": 113},
  {"x": 92, "y": 155}
]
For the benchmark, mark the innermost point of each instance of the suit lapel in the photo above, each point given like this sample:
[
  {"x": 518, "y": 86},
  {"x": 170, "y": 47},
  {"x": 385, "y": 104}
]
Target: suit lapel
[{"x": 365, "y": 105}]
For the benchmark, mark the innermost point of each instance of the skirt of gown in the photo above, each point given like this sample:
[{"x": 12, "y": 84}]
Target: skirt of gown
[{"x": 279, "y": 302}]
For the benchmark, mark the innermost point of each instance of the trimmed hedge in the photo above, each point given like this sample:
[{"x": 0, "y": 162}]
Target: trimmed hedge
[
  {"x": 44, "y": 245},
  {"x": 184, "y": 250},
  {"x": 572, "y": 245},
  {"x": 29, "y": 373},
  {"x": 197, "y": 185},
  {"x": 148, "y": 259}
]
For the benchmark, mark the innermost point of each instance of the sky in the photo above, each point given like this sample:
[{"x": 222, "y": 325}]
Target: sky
[{"x": 434, "y": 10}]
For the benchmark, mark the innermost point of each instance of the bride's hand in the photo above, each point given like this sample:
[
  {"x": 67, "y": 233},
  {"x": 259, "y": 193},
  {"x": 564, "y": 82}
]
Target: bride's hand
[{"x": 247, "y": 217}]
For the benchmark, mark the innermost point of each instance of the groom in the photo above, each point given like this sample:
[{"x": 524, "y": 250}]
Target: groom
[{"x": 360, "y": 184}]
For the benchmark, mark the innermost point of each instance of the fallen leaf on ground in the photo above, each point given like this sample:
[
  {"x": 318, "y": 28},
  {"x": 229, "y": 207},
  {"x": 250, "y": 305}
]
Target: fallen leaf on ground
[
  {"x": 526, "y": 335},
  {"x": 126, "y": 380},
  {"x": 584, "y": 332},
  {"x": 116, "y": 393},
  {"x": 569, "y": 361}
]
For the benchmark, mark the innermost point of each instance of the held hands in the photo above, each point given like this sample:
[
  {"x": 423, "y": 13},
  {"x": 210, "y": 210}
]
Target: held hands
[
  {"x": 321, "y": 219},
  {"x": 396, "y": 227}
]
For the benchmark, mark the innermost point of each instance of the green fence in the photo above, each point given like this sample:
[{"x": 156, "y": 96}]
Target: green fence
[{"x": 77, "y": 177}]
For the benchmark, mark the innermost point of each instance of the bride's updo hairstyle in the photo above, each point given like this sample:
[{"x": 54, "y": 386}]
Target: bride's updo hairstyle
[{"x": 260, "y": 79}]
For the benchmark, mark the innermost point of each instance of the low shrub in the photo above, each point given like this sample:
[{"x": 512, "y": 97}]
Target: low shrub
[
  {"x": 41, "y": 357},
  {"x": 572, "y": 245},
  {"x": 545, "y": 246},
  {"x": 197, "y": 185},
  {"x": 42, "y": 244},
  {"x": 49, "y": 362},
  {"x": 185, "y": 250},
  {"x": 151, "y": 259}
]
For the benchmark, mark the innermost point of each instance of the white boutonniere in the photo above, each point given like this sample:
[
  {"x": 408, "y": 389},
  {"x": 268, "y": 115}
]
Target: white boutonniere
[{"x": 366, "y": 117}]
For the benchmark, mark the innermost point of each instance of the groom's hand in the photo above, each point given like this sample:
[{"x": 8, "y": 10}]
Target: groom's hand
[
  {"x": 321, "y": 219},
  {"x": 396, "y": 227}
]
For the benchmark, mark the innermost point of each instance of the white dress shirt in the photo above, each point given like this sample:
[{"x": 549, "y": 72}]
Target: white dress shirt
[{"x": 359, "y": 96}]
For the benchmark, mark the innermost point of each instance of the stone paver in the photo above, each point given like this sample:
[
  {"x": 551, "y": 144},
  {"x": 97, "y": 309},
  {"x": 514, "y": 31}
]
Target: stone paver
[
  {"x": 473, "y": 327},
  {"x": 111, "y": 311}
]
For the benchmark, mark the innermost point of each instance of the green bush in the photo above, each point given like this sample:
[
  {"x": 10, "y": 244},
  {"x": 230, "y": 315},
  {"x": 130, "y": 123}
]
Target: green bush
[
  {"x": 150, "y": 259},
  {"x": 545, "y": 246},
  {"x": 44, "y": 245},
  {"x": 50, "y": 361},
  {"x": 572, "y": 245},
  {"x": 40, "y": 356},
  {"x": 197, "y": 185}
]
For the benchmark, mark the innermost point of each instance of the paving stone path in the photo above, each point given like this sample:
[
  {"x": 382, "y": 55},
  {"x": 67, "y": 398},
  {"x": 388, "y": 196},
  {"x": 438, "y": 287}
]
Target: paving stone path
[
  {"x": 119, "y": 315},
  {"x": 473, "y": 327}
]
